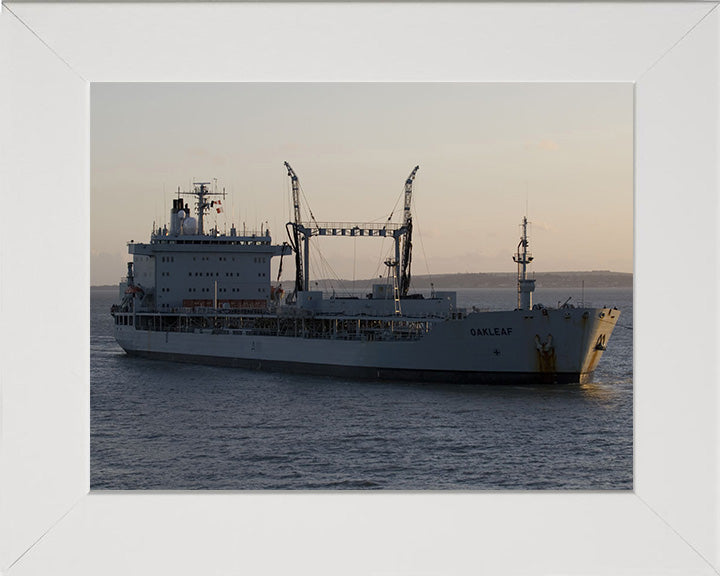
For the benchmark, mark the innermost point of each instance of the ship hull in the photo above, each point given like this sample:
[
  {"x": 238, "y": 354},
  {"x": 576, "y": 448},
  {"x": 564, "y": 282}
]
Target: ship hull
[
  {"x": 371, "y": 373},
  {"x": 513, "y": 347}
]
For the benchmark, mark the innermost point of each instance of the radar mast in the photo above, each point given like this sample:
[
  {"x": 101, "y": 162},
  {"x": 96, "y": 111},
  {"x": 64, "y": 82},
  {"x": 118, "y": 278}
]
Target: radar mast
[
  {"x": 201, "y": 190},
  {"x": 525, "y": 285}
]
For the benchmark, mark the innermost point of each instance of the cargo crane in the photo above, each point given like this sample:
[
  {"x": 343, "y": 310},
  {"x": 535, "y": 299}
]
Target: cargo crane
[
  {"x": 296, "y": 227},
  {"x": 407, "y": 237},
  {"x": 300, "y": 234}
]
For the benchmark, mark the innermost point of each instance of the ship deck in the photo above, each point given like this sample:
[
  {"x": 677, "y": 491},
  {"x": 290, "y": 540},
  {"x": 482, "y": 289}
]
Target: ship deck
[{"x": 331, "y": 326}]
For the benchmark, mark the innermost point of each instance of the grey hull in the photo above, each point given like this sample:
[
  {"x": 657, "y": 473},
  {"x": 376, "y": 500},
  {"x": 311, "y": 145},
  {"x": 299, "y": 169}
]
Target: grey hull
[
  {"x": 374, "y": 373},
  {"x": 513, "y": 347}
]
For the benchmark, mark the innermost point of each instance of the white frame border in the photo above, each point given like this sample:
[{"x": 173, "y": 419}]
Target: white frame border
[{"x": 668, "y": 525}]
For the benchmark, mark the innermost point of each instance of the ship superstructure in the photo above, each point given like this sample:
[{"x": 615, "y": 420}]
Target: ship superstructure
[
  {"x": 192, "y": 295},
  {"x": 184, "y": 267}
]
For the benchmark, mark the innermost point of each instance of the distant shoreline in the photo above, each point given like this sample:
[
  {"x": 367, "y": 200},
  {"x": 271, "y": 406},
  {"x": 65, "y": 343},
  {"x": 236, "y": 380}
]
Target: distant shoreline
[{"x": 592, "y": 279}]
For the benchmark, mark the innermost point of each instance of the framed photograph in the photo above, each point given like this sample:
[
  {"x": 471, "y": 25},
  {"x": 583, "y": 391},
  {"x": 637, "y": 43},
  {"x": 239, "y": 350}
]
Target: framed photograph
[{"x": 50, "y": 53}]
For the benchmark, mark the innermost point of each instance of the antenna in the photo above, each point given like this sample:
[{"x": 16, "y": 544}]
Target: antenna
[{"x": 525, "y": 285}]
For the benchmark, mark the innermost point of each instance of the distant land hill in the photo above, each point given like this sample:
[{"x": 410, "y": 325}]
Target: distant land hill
[{"x": 593, "y": 279}]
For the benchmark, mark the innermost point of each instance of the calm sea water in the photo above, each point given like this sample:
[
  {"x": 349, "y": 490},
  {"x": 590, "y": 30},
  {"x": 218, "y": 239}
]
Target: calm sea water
[{"x": 160, "y": 425}]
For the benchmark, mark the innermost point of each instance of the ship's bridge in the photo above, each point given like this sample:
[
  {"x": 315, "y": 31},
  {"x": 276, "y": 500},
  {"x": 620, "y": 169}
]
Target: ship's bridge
[
  {"x": 250, "y": 238},
  {"x": 188, "y": 270}
]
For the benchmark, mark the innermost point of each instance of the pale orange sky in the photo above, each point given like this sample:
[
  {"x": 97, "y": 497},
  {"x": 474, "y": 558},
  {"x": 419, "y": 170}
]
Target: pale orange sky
[{"x": 486, "y": 151}]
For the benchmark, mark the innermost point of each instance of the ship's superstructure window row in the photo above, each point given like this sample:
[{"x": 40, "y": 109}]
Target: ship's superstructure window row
[{"x": 213, "y": 241}]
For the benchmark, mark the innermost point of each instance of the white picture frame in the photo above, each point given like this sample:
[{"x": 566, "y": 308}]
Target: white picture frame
[{"x": 51, "y": 523}]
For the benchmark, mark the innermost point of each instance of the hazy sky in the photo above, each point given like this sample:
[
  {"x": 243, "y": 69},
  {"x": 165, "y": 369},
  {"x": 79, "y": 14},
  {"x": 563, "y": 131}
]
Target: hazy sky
[{"x": 485, "y": 152}]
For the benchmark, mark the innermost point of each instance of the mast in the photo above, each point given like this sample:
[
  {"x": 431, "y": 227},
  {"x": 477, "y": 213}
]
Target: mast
[
  {"x": 201, "y": 191},
  {"x": 407, "y": 237},
  {"x": 525, "y": 285},
  {"x": 296, "y": 225}
]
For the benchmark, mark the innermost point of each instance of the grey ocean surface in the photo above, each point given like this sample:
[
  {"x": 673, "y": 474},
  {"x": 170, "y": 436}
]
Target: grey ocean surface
[{"x": 161, "y": 425}]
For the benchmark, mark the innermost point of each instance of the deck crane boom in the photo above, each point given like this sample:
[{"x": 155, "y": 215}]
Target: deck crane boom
[
  {"x": 296, "y": 225},
  {"x": 407, "y": 237}
]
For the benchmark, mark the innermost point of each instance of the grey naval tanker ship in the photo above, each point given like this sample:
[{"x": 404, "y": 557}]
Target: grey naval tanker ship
[{"x": 197, "y": 295}]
